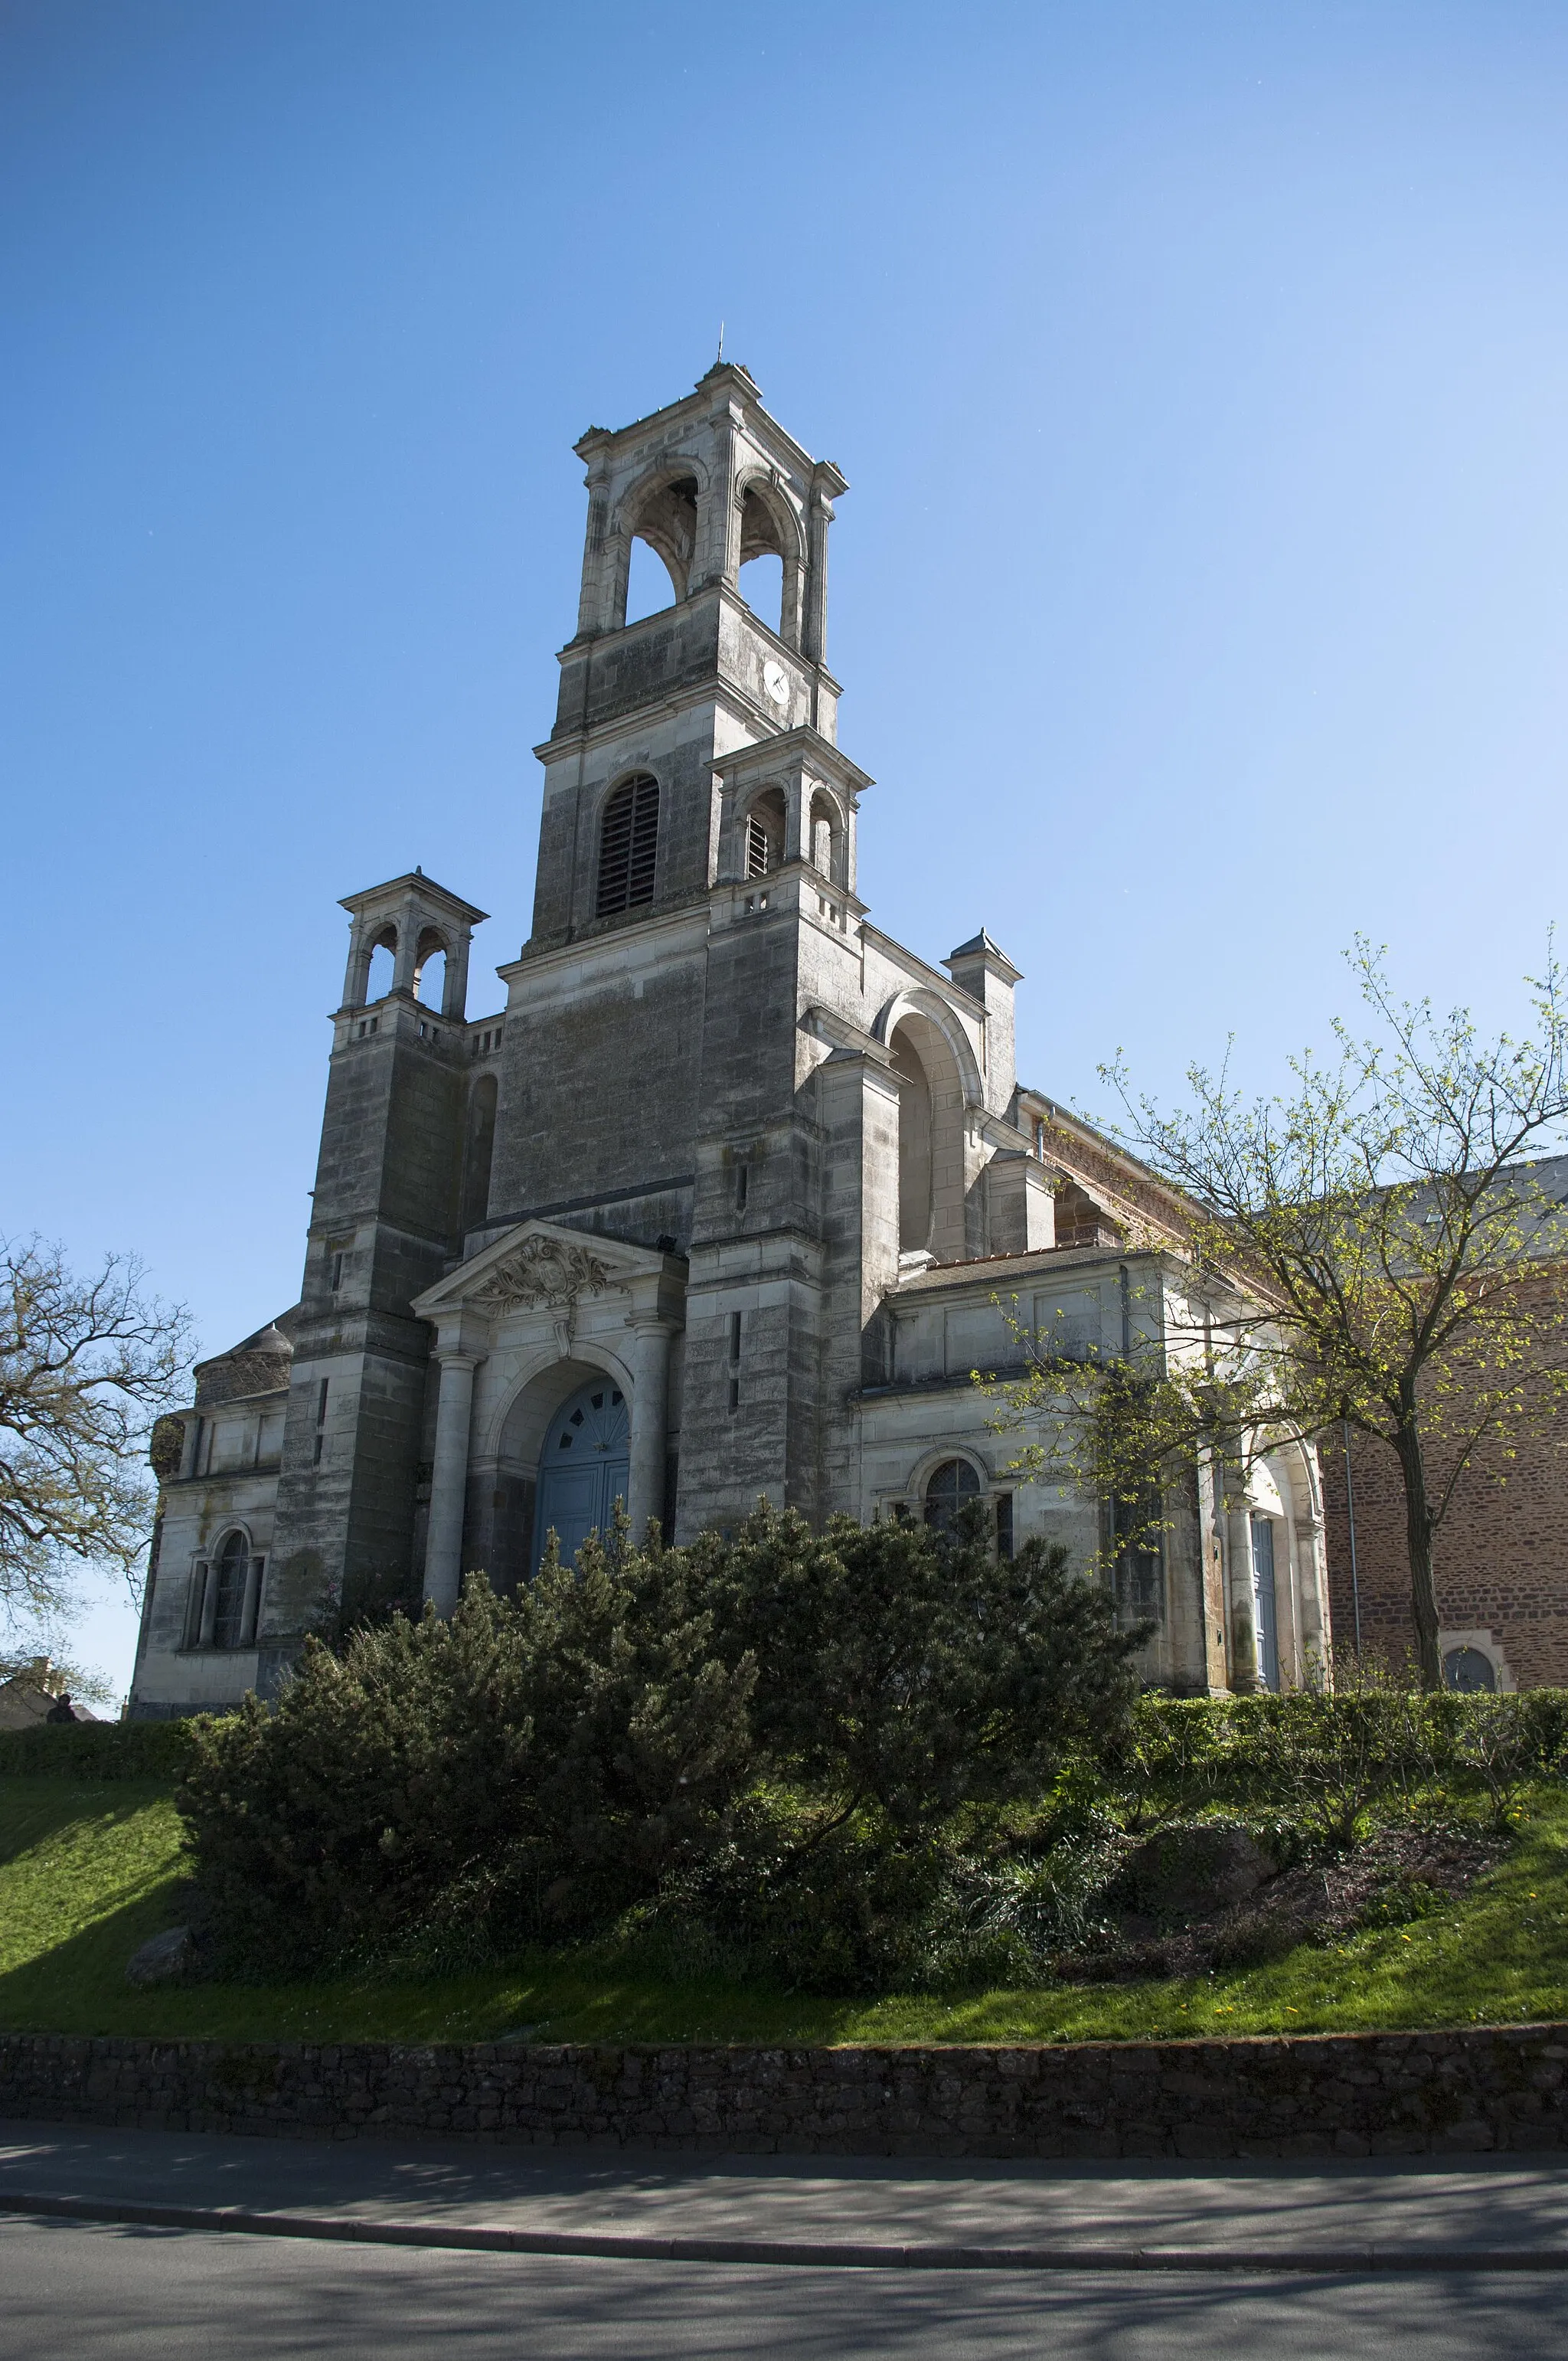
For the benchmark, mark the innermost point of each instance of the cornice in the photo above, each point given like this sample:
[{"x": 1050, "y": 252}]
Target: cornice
[{"x": 927, "y": 973}]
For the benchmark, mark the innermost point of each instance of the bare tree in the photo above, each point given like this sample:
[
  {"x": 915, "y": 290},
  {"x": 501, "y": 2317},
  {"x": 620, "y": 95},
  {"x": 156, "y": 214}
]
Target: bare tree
[
  {"x": 86, "y": 1364},
  {"x": 1380, "y": 1238}
]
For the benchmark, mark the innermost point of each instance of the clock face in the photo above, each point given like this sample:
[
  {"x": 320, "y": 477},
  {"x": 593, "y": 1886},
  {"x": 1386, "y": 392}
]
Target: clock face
[{"x": 775, "y": 680}]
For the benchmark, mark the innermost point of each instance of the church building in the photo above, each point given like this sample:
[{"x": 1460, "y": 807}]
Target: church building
[{"x": 731, "y": 1199}]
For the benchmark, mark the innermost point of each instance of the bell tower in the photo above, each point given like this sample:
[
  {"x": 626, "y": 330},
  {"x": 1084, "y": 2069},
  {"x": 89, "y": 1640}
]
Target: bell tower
[
  {"x": 706, "y": 483},
  {"x": 695, "y": 910},
  {"x": 386, "y": 1220}
]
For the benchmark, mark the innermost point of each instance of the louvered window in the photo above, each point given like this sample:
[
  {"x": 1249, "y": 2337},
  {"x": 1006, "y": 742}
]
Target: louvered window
[{"x": 628, "y": 841}]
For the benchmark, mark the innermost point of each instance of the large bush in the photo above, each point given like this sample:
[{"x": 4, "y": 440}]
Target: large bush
[
  {"x": 768, "y": 1730},
  {"x": 915, "y": 1671},
  {"x": 530, "y": 1767}
]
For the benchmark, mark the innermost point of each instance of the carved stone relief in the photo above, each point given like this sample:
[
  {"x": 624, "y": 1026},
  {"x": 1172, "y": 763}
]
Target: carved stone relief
[{"x": 546, "y": 1274}]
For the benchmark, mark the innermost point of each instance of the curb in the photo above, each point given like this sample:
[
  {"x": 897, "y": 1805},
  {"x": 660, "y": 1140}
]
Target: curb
[{"x": 848, "y": 2254}]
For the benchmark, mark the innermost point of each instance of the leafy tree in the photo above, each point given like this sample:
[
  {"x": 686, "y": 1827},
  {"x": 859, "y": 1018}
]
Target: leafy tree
[
  {"x": 1365, "y": 1250},
  {"x": 86, "y": 1366},
  {"x": 58, "y": 1676}
]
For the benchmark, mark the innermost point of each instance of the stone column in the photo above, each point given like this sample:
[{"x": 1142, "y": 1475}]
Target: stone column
[
  {"x": 1310, "y": 1591},
  {"x": 797, "y": 821},
  {"x": 1243, "y": 1600},
  {"x": 592, "y": 616},
  {"x": 209, "y": 1607},
  {"x": 356, "y": 978},
  {"x": 406, "y": 955},
  {"x": 821, "y": 516},
  {"x": 449, "y": 1480},
  {"x": 454, "y": 998},
  {"x": 650, "y": 1417},
  {"x": 252, "y": 1602}
]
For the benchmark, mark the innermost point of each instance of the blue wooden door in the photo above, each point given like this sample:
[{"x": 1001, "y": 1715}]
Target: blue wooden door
[
  {"x": 582, "y": 1468},
  {"x": 1268, "y": 1606}
]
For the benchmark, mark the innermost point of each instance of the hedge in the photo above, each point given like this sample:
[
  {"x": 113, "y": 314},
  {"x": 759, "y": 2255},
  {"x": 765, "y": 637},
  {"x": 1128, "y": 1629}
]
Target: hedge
[{"x": 97, "y": 1750}]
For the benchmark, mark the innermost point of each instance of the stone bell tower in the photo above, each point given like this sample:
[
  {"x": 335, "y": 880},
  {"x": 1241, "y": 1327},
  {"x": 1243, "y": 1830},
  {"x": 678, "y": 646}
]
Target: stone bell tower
[
  {"x": 696, "y": 893},
  {"x": 707, "y": 484},
  {"x": 386, "y": 1220}
]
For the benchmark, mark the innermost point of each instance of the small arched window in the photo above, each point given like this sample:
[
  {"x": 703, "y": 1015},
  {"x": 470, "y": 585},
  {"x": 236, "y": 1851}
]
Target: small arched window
[
  {"x": 950, "y": 1486},
  {"x": 629, "y": 842},
  {"x": 230, "y": 1568},
  {"x": 765, "y": 833},
  {"x": 1469, "y": 1672}
]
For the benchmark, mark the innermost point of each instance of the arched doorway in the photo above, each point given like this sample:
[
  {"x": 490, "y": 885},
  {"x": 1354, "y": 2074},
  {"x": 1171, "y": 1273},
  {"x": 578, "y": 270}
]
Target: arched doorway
[{"x": 584, "y": 1467}]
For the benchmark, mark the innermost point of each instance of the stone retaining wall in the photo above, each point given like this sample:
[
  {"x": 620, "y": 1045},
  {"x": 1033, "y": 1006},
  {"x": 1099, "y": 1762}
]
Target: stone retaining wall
[{"x": 1360, "y": 2094}]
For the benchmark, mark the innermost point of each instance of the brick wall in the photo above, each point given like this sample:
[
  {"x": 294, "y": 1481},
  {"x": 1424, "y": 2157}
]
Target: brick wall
[
  {"x": 1500, "y": 1559},
  {"x": 1455, "y": 2093}
]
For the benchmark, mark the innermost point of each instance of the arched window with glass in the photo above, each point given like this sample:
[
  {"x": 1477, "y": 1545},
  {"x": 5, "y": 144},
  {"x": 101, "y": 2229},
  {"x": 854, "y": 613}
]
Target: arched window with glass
[{"x": 949, "y": 1489}]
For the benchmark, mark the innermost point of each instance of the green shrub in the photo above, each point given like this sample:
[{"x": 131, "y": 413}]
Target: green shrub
[
  {"x": 528, "y": 1768},
  {"x": 1330, "y": 1764},
  {"x": 913, "y": 1671},
  {"x": 98, "y": 1750},
  {"x": 772, "y": 1732}
]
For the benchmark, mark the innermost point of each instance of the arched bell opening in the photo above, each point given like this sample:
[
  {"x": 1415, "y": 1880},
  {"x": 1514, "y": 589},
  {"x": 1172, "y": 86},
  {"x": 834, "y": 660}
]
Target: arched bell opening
[
  {"x": 660, "y": 549},
  {"x": 383, "y": 965},
  {"x": 429, "y": 970}
]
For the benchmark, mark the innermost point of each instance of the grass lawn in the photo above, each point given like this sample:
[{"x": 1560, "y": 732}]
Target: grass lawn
[{"x": 87, "y": 1872}]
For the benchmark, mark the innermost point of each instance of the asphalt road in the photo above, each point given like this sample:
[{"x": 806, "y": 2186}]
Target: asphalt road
[{"x": 82, "y": 2292}]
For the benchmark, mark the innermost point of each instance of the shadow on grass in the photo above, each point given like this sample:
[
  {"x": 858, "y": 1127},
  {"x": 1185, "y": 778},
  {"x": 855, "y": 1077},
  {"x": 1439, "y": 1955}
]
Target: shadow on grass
[{"x": 33, "y": 1810}]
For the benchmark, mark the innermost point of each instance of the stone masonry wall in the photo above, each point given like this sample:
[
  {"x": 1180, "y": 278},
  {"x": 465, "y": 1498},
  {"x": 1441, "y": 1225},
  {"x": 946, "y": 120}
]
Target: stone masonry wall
[{"x": 1354, "y": 2095}]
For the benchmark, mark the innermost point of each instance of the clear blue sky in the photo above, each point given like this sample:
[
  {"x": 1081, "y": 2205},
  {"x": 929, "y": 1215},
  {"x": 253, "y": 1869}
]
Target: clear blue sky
[{"x": 1201, "y": 372}]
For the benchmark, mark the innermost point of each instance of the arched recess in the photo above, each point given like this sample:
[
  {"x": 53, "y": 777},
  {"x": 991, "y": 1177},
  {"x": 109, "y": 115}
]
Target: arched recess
[
  {"x": 933, "y": 1091},
  {"x": 916, "y": 1202},
  {"x": 827, "y": 836},
  {"x": 506, "y": 1473},
  {"x": 919, "y": 1000},
  {"x": 479, "y": 1151},
  {"x": 772, "y": 545},
  {"x": 663, "y": 509}
]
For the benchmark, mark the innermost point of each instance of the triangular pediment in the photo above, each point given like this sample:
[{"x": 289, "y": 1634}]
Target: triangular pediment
[{"x": 540, "y": 1266}]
